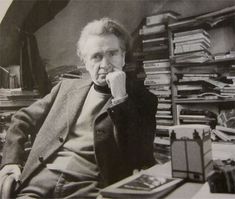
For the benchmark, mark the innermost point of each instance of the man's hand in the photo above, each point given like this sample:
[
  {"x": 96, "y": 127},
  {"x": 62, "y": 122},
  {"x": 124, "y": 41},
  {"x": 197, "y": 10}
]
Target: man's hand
[
  {"x": 12, "y": 169},
  {"x": 117, "y": 83}
]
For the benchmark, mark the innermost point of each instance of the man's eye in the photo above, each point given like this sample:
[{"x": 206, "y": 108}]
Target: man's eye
[
  {"x": 112, "y": 53},
  {"x": 97, "y": 57}
]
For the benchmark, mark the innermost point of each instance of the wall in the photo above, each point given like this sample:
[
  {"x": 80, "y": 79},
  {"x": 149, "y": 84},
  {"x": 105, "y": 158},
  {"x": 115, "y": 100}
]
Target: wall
[{"x": 57, "y": 39}]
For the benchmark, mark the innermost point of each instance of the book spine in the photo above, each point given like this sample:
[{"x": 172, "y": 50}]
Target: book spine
[
  {"x": 149, "y": 30},
  {"x": 191, "y": 32},
  {"x": 188, "y": 48},
  {"x": 161, "y": 18},
  {"x": 191, "y": 37}
]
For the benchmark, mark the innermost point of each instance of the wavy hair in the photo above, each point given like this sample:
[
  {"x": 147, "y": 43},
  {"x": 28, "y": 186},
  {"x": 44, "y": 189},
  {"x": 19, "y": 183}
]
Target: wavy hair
[{"x": 104, "y": 26}]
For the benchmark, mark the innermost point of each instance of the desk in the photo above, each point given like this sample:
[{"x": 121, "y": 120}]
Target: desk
[
  {"x": 190, "y": 190},
  {"x": 201, "y": 190},
  {"x": 185, "y": 191}
]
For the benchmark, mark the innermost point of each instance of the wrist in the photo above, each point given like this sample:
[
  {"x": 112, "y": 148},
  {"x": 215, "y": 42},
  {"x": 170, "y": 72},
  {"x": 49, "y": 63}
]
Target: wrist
[{"x": 118, "y": 100}]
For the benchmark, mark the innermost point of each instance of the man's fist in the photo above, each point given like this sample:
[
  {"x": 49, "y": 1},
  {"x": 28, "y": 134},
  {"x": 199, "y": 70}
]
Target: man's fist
[{"x": 117, "y": 83}]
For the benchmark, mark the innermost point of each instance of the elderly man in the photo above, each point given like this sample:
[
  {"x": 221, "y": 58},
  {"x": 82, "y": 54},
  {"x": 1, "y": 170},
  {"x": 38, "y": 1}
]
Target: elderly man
[{"x": 86, "y": 135}]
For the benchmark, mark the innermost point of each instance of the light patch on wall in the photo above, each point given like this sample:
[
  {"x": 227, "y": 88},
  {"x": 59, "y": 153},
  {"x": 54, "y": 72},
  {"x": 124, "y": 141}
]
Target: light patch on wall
[{"x": 4, "y": 5}]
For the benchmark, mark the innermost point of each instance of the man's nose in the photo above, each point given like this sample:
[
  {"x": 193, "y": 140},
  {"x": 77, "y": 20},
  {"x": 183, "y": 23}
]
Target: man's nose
[{"x": 105, "y": 63}]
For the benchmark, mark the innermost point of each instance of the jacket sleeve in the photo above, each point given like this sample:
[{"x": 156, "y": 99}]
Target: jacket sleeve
[
  {"x": 135, "y": 125},
  {"x": 25, "y": 122}
]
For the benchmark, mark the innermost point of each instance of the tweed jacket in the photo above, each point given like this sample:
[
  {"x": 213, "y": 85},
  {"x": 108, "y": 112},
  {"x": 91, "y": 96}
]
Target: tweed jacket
[{"x": 123, "y": 134}]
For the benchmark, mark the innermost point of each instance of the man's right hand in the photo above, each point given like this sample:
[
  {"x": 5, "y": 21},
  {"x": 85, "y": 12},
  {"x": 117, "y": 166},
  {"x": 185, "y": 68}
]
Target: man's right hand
[{"x": 11, "y": 169}]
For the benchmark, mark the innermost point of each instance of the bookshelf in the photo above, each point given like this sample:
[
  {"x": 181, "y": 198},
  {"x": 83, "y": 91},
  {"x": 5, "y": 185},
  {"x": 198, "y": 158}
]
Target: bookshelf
[
  {"x": 200, "y": 51},
  {"x": 155, "y": 68},
  {"x": 199, "y": 81}
]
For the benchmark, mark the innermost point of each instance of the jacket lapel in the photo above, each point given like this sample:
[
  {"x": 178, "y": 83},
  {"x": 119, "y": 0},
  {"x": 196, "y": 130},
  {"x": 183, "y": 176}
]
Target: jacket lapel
[{"x": 74, "y": 104}]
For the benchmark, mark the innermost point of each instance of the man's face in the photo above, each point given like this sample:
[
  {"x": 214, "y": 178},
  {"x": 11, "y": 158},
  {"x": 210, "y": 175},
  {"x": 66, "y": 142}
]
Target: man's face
[{"x": 103, "y": 55}]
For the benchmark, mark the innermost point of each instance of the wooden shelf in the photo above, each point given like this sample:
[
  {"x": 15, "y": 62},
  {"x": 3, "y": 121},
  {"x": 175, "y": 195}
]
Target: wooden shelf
[
  {"x": 204, "y": 101},
  {"x": 214, "y": 62}
]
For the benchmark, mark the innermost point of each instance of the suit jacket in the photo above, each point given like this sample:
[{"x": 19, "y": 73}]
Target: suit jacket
[{"x": 123, "y": 134}]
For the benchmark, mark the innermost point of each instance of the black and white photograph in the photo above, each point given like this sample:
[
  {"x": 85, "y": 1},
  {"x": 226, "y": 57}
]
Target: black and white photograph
[{"x": 110, "y": 99}]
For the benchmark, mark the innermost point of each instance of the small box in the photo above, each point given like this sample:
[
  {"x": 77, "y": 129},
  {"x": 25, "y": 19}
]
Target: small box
[{"x": 191, "y": 155}]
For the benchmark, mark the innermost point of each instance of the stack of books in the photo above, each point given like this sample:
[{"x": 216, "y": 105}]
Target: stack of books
[
  {"x": 224, "y": 133},
  {"x": 192, "y": 46},
  {"x": 201, "y": 85},
  {"x": 158, "y": 78},
  {"x": 156, "y": 65},
  {"x": 154, "y": 37},
  {"x": 196, "y": 85},
  {"x": 193, "y": 116}
]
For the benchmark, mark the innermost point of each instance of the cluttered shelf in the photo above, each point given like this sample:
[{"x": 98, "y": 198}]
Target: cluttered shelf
[
  {"x": 198, "y": 100},
  {"x": 186, "y": 64},
  {"x": 208, "y": 19},
  {"x": 217, "y": 61}
]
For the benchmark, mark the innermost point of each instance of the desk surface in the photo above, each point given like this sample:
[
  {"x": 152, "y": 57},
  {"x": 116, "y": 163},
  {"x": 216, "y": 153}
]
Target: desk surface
[
  {"x": 192, "y": 190},
  {"x": 201, "y": 190}
]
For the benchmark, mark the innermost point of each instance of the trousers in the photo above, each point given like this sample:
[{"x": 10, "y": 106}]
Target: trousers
[{"x": 52, "y": 184}]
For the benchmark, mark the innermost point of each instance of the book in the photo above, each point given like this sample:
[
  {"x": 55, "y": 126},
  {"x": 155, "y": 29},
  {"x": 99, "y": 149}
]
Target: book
[
  {"x": 191, "y": 32},
  {"x": 148, "y": 81},
  {"x": 156, "y": 64},
  {"x": 165, "y": 122},
  {"x": 163, "y": 112},
  {"x": 164, "y": 116},
  {"x": 153, "y": 68},
  {"x": 157, "y": 72},
  {"x": 152, "y": 29},
  {"x": 206, "y": 43},
  {"x": 216, "y": 83},
  {"x": 161, "y": 92},
  {"x": 192, "y": 37},
  {"x": 196, "y": 117},
  {"x": 155, "y": 48},
  {"x": 161, "y": 18},
  {"x": 188, "y": 87},
  {"x": 192, "y": 79},
  {"x": 153, "y": 42},
  {"x": 193, "y": 57},
  {"x": 189, "y": 48},
  {"x": 156, "y": 61},
  {"x": 146, "y": 184},
  {"x": 225, "y": 129},
  {"x": 221, "y": 135},
  {"x": 164, "y": 106},
  {"x": 159, "y": 87},
  {"x": 159, "y": 39}
]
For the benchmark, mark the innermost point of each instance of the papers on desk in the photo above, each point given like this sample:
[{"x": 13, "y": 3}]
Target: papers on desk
[{"x": 146, "y": 184}]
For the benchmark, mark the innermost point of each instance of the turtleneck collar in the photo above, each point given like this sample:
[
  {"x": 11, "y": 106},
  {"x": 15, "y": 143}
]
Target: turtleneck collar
[{"x": 102, "y": 89}]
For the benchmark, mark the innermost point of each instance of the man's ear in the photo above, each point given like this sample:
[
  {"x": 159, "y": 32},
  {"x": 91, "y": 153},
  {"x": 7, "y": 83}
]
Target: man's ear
[{"x": 83, "y": 59}]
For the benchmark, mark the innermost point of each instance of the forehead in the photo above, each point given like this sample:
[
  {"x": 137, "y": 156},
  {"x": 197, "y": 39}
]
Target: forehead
[{"x": 101, "y": 43}]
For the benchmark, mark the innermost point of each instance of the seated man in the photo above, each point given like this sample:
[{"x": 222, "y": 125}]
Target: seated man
[{"x": 86, "y": 135}]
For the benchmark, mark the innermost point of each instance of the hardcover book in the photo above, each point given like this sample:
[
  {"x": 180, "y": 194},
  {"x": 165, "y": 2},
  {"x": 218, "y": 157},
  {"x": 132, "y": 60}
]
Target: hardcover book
[{"x": 146, "y": 184}]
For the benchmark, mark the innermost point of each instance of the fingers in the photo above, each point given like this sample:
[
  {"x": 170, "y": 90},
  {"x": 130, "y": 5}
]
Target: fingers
[
  {"x": 13, "y": 170},
  {"x": 117, "y": 83}
]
